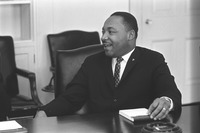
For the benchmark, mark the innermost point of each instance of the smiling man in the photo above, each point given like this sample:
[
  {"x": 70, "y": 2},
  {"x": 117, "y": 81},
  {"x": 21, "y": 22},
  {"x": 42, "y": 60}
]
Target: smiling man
[
  {"x": 124, "y": 76},
  {"x": 119, "y": 36}
]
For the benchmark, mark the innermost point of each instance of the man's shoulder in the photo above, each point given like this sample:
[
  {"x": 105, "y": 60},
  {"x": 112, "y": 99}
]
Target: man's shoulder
[{"x": 149, "y": 52}]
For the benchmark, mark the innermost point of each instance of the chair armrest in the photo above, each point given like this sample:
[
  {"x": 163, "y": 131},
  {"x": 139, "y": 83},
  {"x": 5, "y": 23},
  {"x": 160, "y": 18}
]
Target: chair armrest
[{"x": 32, "y": 81}]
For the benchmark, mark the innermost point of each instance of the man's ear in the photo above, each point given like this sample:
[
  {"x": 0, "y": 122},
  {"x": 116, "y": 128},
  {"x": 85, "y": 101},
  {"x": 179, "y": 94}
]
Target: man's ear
[{"x": 131, "y": 35}]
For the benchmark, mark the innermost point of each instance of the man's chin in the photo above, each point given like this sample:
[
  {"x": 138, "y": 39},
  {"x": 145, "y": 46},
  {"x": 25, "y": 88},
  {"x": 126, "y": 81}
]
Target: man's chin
[{"x": 108, "y": 53}]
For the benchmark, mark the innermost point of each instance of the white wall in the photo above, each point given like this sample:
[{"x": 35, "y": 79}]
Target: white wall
[{"x": 52, "y": 16}]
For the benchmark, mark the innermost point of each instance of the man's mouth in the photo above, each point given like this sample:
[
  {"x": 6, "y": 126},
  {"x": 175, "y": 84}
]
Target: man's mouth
[{"x": 107, "y": 45}]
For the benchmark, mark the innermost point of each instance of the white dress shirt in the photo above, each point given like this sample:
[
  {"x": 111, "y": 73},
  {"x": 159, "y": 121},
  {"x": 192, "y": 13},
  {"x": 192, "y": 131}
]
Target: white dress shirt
[{"x": 123, "y": 63}]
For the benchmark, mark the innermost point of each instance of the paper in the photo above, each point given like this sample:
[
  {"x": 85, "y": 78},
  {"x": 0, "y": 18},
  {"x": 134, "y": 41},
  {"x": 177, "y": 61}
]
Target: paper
[
  {"x": 9, "y": 125},
  {"x": 135, "y": 114}
]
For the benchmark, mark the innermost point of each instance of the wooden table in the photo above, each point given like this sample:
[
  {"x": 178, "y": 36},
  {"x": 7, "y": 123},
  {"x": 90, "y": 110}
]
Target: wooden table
[{"x": 189, "y": 122}]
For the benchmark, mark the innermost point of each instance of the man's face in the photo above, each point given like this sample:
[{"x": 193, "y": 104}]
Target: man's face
[{"x": 115, "y": 37}]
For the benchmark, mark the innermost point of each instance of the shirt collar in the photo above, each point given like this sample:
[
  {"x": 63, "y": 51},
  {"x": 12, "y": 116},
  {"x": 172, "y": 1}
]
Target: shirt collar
[{"x": 127, "y": 56}]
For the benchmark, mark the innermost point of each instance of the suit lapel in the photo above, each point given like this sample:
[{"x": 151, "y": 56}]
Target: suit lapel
[
  {"x": 108, "y": 70},
  {"x": 131, "y": 62}
]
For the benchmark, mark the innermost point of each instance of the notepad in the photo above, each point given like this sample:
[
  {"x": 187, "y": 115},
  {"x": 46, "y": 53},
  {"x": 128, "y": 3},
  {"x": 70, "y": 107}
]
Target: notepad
[
  {"x": 138, "y": 114},
  {"x": 11, "y": 127}
]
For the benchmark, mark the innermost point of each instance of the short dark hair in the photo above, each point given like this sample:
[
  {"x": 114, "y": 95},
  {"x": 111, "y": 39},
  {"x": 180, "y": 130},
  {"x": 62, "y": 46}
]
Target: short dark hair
[{"x": 129, "y": 21}]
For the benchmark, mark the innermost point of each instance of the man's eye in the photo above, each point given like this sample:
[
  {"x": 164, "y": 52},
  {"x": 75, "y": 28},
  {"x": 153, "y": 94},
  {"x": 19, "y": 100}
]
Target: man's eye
[{"x": 111, "y": 32}]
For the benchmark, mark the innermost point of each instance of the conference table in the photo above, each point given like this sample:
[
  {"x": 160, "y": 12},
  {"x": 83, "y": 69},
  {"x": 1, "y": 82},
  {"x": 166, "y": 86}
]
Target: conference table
[{"x": 189, "y": 122}]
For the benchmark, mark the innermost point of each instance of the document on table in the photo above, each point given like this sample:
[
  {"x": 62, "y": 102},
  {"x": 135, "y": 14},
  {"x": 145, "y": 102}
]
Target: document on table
[
  {"x": 139, "y": 114},
  {"x": 11, "y": 127}
]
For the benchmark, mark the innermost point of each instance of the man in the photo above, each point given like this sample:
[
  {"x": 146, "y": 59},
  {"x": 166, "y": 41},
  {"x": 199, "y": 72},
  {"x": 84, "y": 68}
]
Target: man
[{"x": 144, "y": 79}]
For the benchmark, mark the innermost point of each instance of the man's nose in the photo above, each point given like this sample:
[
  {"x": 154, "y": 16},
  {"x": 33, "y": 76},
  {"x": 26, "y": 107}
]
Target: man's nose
[{"x": 104, "y": 37}]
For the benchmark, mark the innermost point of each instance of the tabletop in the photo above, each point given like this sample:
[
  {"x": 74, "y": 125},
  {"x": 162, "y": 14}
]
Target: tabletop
[{"x": 106, "y": 123}]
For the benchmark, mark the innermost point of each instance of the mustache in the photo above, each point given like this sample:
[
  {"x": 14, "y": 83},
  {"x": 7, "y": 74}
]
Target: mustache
[{"x": 105, "y": 41}]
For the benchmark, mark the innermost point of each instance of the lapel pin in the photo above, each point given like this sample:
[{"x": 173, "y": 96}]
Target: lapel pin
[{"x": 133, "y": 59}]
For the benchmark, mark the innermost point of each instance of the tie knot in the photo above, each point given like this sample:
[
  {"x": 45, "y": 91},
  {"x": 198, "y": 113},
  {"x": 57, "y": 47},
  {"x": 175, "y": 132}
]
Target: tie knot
[{"x": 119, "y": 59}]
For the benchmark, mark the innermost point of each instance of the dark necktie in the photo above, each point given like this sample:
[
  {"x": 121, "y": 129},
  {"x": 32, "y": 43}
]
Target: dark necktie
[{"x": 117, "y": 70}]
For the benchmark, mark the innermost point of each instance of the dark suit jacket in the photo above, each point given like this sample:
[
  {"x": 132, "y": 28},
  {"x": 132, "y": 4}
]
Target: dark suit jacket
[{"x": 145, "y": 78}]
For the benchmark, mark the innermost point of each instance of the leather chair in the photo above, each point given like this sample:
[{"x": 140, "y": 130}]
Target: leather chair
[
  {"x": 65, "y": 41},
  {"x": 21, "y": 106},
  {"x": 68, "y": 62},
  {"x": 4, "y": 102}
]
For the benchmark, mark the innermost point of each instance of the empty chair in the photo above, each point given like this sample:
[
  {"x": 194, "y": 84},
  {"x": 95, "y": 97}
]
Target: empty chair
[
  {"x": 4, "y": 102},
  {"x": 21, "y": 106},
  {"x": 65, "y": 41}
]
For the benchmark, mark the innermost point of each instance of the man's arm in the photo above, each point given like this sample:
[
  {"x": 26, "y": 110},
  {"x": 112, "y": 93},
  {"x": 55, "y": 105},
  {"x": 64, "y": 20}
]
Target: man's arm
[
  {"x": 71, "y": 100},
  {"x": 169, "y": 97}
]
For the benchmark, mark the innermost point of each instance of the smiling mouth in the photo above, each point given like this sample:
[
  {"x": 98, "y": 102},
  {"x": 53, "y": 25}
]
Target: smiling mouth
[{"x": 107, "y": 45}]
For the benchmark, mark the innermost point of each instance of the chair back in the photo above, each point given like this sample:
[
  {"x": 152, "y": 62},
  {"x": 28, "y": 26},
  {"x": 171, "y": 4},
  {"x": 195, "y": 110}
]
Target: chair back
[
  {"x": 68, "y": 62},
  {"x": 70, "y": 40},
  {"x": 21, "y": 105},
  {"x": 8, "y": 65},
  {"x": 5, "y": 103}
]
